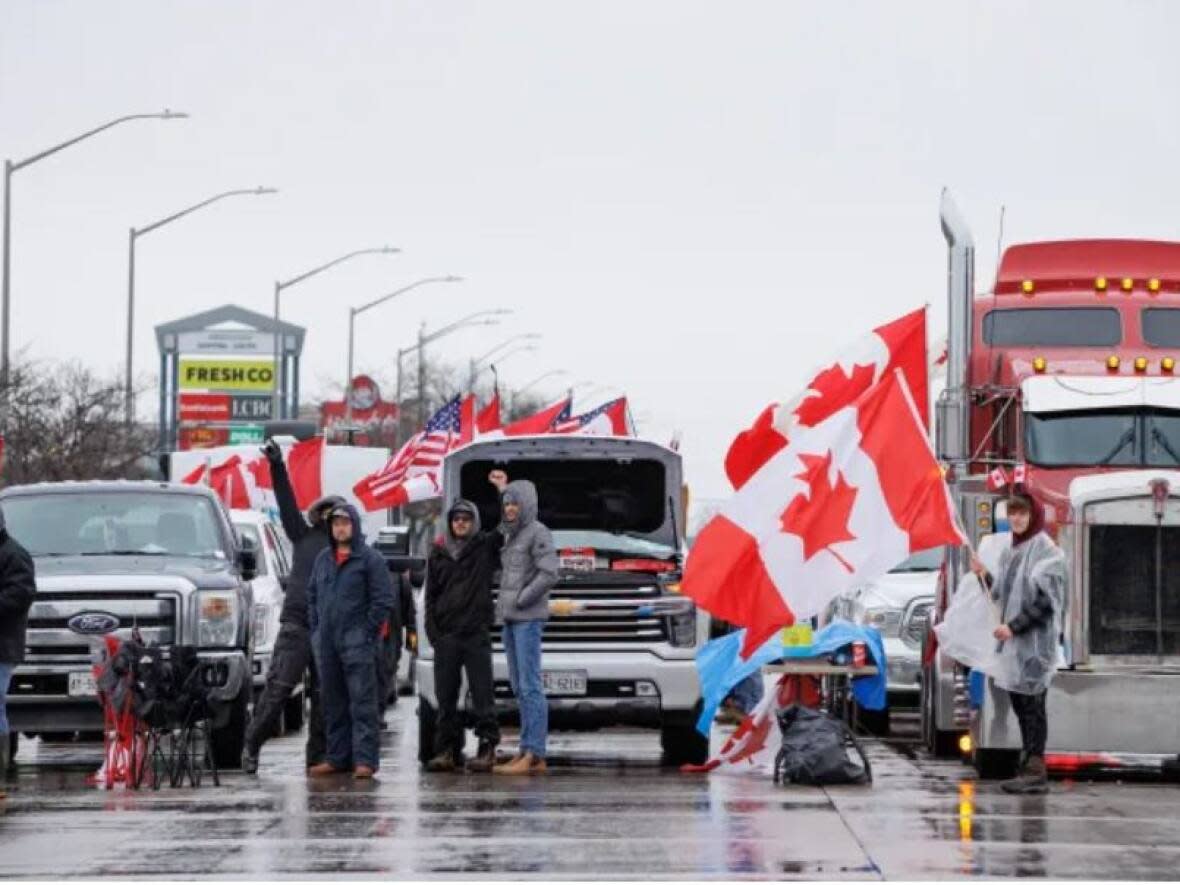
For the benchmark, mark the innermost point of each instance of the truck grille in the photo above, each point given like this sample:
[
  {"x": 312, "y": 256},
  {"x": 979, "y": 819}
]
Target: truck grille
[
  {"x": 917, "y": 617},
  {"x": 1123, "y": 593},
  {"x": 604, "y": 623},
  {"x": 51, "y": 641}
]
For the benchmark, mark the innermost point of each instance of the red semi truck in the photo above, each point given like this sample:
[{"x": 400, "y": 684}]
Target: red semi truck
[{"x": 1068, "y": 366}]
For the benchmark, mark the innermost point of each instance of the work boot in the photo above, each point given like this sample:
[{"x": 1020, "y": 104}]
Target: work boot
[
  {"x": 1032, "y": 781},
  {"x": 485, "y": 758},
  {"x": 249, "y": 761},
  {"x": 525, "y": 764},
  {"x": 364, "y": 773},
  {"x": 442, "y": 762},
  {"x": 324, "y": 769}
]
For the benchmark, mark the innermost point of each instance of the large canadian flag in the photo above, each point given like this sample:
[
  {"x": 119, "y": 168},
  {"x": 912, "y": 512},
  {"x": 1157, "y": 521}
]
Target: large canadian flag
[
  {"x": 897, "y": 345},
  {"x": 841, "y": 504}
]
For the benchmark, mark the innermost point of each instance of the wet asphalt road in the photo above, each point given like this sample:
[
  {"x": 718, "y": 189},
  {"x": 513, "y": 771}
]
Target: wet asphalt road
[{"x": 605, "y": 810}]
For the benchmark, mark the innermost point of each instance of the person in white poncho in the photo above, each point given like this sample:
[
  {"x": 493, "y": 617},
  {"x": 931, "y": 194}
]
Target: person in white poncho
[{"x": 1030, "y": 588}]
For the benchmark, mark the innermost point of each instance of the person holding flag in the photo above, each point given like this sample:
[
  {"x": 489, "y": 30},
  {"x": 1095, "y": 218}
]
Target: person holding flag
[{"x": 292, "y": 652}]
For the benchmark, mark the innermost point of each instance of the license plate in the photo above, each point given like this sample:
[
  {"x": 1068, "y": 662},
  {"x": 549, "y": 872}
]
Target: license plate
[
  {"x": 576, "y": 563},
  {"x": 82, "y": 685},
  {"x": 564, "y": 683}
]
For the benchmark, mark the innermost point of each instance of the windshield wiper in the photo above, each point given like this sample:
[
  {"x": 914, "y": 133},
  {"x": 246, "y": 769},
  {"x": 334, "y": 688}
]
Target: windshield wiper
[
  {"x": 1158, "y": 436},
  {"x": 1127, "y": 437},
  {"x": 124, "y": 553}
]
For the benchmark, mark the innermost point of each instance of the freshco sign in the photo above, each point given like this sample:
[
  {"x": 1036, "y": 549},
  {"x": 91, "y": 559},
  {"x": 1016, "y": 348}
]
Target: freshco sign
[{"x": 226, "y": 375}]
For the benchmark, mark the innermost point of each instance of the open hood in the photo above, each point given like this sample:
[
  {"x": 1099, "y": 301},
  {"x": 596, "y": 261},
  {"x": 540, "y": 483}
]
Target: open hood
[{"x": 618, "y": 486}]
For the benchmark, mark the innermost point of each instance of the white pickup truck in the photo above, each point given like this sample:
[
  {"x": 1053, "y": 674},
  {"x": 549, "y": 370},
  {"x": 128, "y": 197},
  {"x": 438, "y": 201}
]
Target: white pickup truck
[{"x": 625, "y": 654}]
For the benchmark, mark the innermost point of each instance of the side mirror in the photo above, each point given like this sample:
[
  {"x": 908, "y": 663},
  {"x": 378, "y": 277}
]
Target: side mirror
[{"x": 248, "y": 560}]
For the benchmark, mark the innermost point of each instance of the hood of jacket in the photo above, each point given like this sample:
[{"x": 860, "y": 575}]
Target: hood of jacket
[
  {"x": 455, "y": 545},
  {"x": 358, "y": 535},
  {"x": 313, "y": 512},
  {"x": 524, "y": 493}
]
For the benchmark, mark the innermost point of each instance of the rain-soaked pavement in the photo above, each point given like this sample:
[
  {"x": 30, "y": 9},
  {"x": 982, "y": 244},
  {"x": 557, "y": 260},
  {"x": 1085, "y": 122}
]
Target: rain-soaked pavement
[{"x": 605, "y": 810}]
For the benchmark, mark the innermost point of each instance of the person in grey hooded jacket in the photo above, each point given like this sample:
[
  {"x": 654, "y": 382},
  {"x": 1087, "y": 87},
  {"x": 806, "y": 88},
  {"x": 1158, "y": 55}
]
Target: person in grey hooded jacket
[
  {"x": 528, "y": 571},
  {"x": 1030, "y": 588}
]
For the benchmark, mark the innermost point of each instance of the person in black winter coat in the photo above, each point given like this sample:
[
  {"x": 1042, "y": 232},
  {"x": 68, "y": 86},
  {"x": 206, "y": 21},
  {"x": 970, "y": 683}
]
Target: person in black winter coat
[
  {"x": 350, "y": 595},
  {"x": 460, "y": 613},
  {"x": 292, "y": 656},
  {"x": 17, "y": 588}
]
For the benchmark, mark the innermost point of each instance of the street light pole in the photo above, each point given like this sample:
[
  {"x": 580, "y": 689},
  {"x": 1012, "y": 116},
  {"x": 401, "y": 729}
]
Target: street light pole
[
  {"x": 475, "y": 364},
  {"x": 280, "y": 287},
  {"x": 133, "y": 236},
  {"x": 11, "y": 167},
  {"x": 478, "y": 368},
  {"x": 352, "y": 315}
]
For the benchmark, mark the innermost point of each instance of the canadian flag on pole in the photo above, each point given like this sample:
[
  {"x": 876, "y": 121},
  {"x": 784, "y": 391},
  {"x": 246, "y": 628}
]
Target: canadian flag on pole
[
  {"x": 841, "y": 504},
  {"x": 897, "y": 345},
  {"x": 228, "y": 480}
]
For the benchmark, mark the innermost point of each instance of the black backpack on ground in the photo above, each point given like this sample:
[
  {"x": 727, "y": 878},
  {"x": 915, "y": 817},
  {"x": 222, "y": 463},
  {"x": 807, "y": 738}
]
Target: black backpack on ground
[{"x": 815, "y": 750}]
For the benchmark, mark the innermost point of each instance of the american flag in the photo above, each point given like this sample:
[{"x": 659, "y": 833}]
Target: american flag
[
  {"x": 609, "y": 419},
  {"x": 420, "y": 458}
]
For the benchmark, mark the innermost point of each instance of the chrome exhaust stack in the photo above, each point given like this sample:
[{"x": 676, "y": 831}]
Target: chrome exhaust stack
[{"x": 953, "y": 436}]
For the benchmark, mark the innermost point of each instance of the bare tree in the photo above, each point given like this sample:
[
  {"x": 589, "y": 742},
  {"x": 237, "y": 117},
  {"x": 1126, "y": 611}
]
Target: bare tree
[{"x": 63, "y": 422}]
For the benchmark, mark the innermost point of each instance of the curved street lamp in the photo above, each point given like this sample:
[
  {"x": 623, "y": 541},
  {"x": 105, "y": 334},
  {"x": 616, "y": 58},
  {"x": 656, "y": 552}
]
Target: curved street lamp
[
  {"x": 10, "y": 168},
  {"x": 135, "y": 234},
  {"x": 353, "y": 312},
  {"x": 538, "y": 380},
  {"x": 478, "y": 364},
  {"x": 280, "y": 402}
]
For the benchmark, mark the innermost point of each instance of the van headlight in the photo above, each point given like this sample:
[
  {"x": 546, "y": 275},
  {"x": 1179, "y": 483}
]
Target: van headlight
[
  {"x": 261, "y": 624},
  {"x": 217, "y": 618}
]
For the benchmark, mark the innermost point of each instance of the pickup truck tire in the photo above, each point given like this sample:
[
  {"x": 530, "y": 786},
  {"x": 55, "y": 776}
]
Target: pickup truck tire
[
  {"x": 682, "y": 743},
  {"x": 294, "y": 710},
  {"x": 230, "y": 739},
  {"x": 427, "y": 726}
]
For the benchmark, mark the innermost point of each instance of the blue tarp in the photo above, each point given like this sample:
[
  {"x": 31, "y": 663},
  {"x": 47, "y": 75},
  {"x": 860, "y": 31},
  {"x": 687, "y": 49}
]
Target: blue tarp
[{"x": 720, "y": 667}]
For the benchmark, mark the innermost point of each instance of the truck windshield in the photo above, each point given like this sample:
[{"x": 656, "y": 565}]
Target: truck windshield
[
  {"x": 1121, "y": 438},
  {"x": 923, "y": 561},
  {"x": 114, "y": 524}
]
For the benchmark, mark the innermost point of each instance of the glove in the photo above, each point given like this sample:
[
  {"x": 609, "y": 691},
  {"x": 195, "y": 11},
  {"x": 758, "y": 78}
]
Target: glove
[
  {"x": 411, "y": 640},
  {"x": 273, "y": 453}
]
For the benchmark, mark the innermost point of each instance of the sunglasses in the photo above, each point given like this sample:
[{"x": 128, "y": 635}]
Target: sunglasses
[{"x": 461, "y": 518}]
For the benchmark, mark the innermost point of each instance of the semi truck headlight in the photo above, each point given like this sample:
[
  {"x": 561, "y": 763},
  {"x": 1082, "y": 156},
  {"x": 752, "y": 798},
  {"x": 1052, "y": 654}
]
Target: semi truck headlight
[
  {"x": 217, "y": 618},
  {"x": 684, "y": 628}
]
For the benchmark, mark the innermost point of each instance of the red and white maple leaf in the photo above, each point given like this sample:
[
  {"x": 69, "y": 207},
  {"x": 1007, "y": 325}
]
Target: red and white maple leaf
[
  {"x": 820, "y": 518},
  {"x": 832, "y": 390}
]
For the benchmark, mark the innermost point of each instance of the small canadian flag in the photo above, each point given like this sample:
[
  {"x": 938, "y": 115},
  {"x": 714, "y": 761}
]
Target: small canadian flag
[
  {"x": 997, "y": 479},
  {"x": 1020, "y": 475}
]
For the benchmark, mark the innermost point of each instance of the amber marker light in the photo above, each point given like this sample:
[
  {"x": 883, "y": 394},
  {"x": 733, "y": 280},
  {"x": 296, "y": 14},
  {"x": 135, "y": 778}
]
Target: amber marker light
[
  {"x": 1100, "y": 284},
  {"x": 1153, "y": 286},
  {"x": 1113, "y": 363},
  {"x": 1167, "y": 364},
  {"x": 1039, "y": 365},
  {"x": 1027, "y": 287},
  {"x": 1140, "y": 364},
  {"x": 1128, "y": 284}
]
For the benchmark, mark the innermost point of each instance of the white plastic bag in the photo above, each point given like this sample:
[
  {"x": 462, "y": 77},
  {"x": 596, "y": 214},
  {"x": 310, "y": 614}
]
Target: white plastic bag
[{"x": 965, "y": 633}]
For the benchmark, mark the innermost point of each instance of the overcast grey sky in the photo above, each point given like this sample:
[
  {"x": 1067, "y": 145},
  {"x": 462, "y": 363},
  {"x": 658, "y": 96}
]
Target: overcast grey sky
[{"x": 694, "y": 202}]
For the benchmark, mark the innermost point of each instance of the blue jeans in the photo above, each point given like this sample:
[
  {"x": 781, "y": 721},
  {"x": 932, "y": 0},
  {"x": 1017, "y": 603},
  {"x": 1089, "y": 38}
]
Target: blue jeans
[
  {"x": 748, "y": 692},
  {"x": 5, "y": 680},
  {"x": 522, "y": 645}
]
